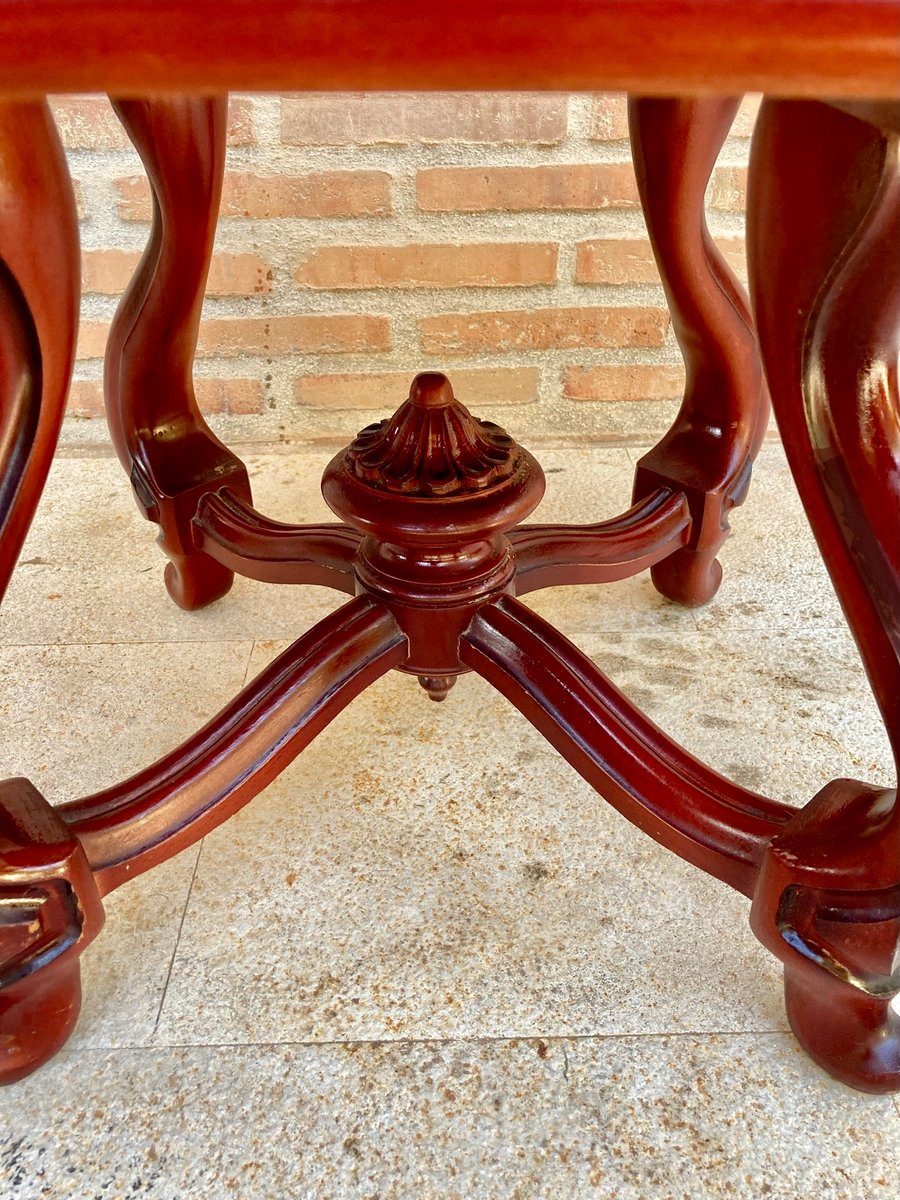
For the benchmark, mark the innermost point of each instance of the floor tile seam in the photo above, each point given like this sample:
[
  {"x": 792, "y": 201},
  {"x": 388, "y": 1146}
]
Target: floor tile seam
[
  {"x": 233, "y": 641},
  {"x": 832, "y": 625},
  {"x": 187, "y": 901},
  {"x": 247, "y": 676},
  {"x": 462, "y": 1040}
]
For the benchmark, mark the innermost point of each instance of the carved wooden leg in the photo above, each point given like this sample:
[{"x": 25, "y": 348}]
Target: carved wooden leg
[
  {"x": 824, "y": 239},
  {"x": 708, "y": 452},
  {"x": 39, "y": 289},
  {"x": 57, "y": 863},
  {"x": 172, "y": 456},
  {"x": 46, "y": 902}
]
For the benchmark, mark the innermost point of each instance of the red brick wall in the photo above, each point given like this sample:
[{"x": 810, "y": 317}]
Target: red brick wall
[{"x": 362, "y": 238}]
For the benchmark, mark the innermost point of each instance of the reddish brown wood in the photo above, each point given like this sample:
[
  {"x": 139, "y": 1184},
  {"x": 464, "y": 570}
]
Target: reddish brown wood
[
  {"x": 824, "y": 222},
  {"x": 50, "y": 910},
  {"x": 720, "y": 827},
  {"x": 129, "y": 828},
  {"x": 433, "y": 496},
  {"x": 433, "y": 490},
  {"x": 708, "y": 452},
  {"x": 172, "y": 456},
  {"x": 661, "y": 47},
  {"x": 38, "y": 312},
  {"x": 550, "y": 555},
  {"x": 246, "y": 542}
]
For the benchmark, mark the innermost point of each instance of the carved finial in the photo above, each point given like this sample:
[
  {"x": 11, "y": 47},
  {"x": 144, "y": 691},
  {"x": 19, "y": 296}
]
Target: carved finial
[
  {"x": 437, "y": 686},
  {"x": 432, "y": 446}
]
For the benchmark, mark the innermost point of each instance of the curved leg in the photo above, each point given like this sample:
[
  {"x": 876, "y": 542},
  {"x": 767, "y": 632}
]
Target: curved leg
[
  {"x": 38, "y": 312},
  {"x": 129, "y": 828},
  {"x": 825, "y": 223},
  {"x": 172, "y": 456},
  {"x": 58, "y": 862},
  {"x": 39, "y": 862},
  {"x": 686, "y": 806},
  {"x": 708, "y": 452}
]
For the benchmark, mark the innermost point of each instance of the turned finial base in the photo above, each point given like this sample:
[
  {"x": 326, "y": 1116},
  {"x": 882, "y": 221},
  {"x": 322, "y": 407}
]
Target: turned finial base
[{"x": 433, "y": 490}]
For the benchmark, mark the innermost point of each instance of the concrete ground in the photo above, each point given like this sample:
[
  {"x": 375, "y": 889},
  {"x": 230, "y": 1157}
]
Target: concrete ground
[{"x": 429, "y": 961}]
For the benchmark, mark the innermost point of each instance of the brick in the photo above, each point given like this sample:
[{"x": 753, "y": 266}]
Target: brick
[
  {"x": 429, "y": 266},
  {"x": 543, "y": 329},
  {"x": 614, "y": 261},
  {"x": 80, "y": 206},
  {"x": 107, "y": 272},
  {"x": 85, "y": 398},
  {"x": 475, "y": 388},
  {"x": 239, "y": 397},
  {"x": 133, "y": 203},
  {"x": 734, "y": 251},
  {"x": 241, "y": 131},
  {"x": 609, "y": 119},
  {"x": 321, "y": 194},
  {"x": 729, "y": 189},
  {"x": 612, "y": 383},
  {"x": 235, "y": 396},
  {"x": 527, "y": 189},
  {"x": 91, "y": 339},
  {"x": 232, "y": 336},
  {"x": 88, "y": 123},
  {"x": 395, "y": 119}
]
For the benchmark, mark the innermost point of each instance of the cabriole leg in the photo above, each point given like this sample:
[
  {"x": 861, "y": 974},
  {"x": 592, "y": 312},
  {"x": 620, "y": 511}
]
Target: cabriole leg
[
  {"x": 708, "y": 452},
  {"x": 824, "y": 225},
  {"x": 171, "y": 455},
  {"x": 48, "y": 904}
]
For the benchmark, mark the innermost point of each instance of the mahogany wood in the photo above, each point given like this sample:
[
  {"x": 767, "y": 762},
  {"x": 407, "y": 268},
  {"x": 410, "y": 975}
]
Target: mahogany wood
[
  {"x": 38, "y": 312},
  {"x": 246, "y": 542},
  {"x": 171, "y": 454},
  {"x": 708, "y": 452},
  {"x": 433, "y": 499},
  {"x": 550, "y": 555},
  {"x": 649, "y": 47},
  {"x": 131, "y": 827},
  {"x": 713, "y": 823},
  {"x": 824, "y": 219}
]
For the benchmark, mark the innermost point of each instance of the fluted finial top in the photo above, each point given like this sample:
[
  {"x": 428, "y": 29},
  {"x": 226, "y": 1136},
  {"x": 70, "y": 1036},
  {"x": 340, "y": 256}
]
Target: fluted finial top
[
  {"x": 432, "y": 446},
  {"x": 431, "y": 389}
]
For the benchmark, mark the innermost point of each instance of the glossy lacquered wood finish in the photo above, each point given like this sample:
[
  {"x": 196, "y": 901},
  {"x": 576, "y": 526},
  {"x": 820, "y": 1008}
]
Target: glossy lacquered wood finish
[
  {"x": 707, "y": 454},
  {"x": 129, "y": 828},
  {"x": 652, "y": 47},
  {"x": 432, "y": 500},
  {"x": 172, "y": 456},
  {"x": 710, "y": 821},
  {"x": 38, "y": 312},
  {"x": 824, "y": 217}
]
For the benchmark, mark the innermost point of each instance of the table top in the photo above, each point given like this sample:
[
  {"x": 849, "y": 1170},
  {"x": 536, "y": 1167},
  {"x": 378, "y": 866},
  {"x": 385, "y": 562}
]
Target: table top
[{"x": 825, "y": 48}]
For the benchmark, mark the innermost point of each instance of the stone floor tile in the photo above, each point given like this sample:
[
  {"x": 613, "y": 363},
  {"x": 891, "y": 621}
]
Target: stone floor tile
[
  {"x": 672, "y": 1118},
  {"x": 74, "y": 719}
]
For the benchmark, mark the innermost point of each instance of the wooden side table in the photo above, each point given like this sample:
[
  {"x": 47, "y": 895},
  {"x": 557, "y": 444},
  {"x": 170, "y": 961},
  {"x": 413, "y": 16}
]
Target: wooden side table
[{"x": 431, "y": 544}]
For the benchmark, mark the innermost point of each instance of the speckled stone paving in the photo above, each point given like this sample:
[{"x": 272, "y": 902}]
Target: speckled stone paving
[{"x": 429, "y": 961}]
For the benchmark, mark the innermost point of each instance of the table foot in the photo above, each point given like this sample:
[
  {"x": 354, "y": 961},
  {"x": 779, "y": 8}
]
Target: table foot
[
  {"x": 172, "y": 457},
  {"x": 708, "y": 453},
  {"x": 829, "y": 897},
  {"x": 50, "y": 909}
]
